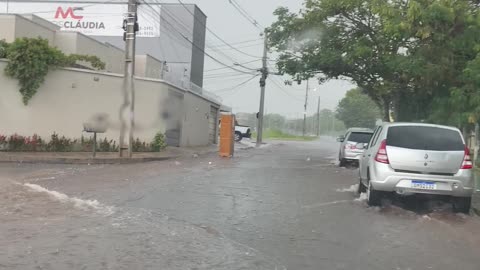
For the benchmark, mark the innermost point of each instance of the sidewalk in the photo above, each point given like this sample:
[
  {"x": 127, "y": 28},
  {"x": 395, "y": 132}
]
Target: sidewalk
[{"x": 103, "y": 157}]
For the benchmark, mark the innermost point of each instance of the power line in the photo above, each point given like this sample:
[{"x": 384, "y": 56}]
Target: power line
[
  {"x": 188, "y": 30},
  {"x": 241, "y": 47},
  {"x": 196, "y": 46},
  {"x": 245, "y": 14},
  {"x": 239, "y": 42},
  {"x": 213, "y": 33},
  {"x": 236, "y": 86},
  {"x": 230, "y": 66},
  {"x": 284, "y": 91},
  {"x": 226, "y": 77}
]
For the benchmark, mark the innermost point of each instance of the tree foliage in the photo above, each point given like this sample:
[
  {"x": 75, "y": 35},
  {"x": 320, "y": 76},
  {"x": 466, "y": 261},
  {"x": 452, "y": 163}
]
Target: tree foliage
[
  {"x": 357, "y": 110},
  {"x": 414, "y": 57},
  {"x": 30, "y": 60}
]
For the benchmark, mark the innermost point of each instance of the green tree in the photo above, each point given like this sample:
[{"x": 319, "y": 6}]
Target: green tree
[
  {"x": 274, "y": 121},
  {"x": 30, "y": 59},
  {"x": 410, "y": 56},
  {"x": 357, "y": 110}
]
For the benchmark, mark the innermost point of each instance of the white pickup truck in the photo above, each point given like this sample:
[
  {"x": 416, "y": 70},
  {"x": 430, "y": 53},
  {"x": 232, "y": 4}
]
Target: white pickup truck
[{"x": 242, "y": 132}]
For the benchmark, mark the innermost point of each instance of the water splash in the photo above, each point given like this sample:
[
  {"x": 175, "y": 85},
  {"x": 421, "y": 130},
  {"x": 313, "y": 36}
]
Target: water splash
[
  {"x": 352, "y": 188},
  {"x": 77, "y": 202}
]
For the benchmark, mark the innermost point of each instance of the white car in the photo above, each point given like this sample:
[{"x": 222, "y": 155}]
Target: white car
[
  {"x": 242, "y": 132},
  {"x": 348, "y": 147}
]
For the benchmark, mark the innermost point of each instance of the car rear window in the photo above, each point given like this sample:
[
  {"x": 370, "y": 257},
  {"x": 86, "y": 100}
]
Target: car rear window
[
  {"x": 425, "y": 138},
  {"x": 359, "y": 137}
]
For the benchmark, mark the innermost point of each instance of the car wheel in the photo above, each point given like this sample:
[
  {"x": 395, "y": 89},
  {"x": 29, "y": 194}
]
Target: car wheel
[
  {"x": 343, "y": 162},
  {"x": 238, "y": 136},
  {"x": 374, "y": 197},
  {"x": 462, "y": 204}
]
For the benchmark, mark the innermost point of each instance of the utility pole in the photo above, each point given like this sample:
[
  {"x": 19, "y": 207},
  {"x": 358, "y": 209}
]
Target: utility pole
[
  {"x": 130, "y": 27},
  {"x": 305, "y": 111},
  {"x": 263, "y": 80},
  {"x": 318, "y": 117}
]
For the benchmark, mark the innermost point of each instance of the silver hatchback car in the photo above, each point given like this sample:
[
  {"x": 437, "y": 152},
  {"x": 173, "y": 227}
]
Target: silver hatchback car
[
  {"x": 410, "y": 158},
  {"x": 348, "y": 147}
]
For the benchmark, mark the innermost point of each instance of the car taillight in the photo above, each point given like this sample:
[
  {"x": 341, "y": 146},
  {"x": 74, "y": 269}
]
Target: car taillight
[
  {"x": 381, "y": 155},
  {"x": 467, "y": 160},
  {"x": 350, "y": 146}
]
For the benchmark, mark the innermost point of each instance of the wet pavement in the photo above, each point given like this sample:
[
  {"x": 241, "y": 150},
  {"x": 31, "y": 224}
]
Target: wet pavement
[{"x": 283, "y": 206}]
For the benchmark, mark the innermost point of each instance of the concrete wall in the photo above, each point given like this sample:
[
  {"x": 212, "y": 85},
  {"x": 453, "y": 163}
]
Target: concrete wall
[
  {"x": 38, "y": 20},
  {"x": 176, "y": 22},
  {"x": 26, "y": 28},
  {"x": 7, "y": 28},
  {"x": 70, "y": 97},
  {"x": 15, "y": 26},
  {"x": 66, "y": 42},
  {"x": 198, "y": 56},
  {"x": 195, "y": 128},
  {"x": 148, "y": 66},
  {"x": 77, "y": 43}
]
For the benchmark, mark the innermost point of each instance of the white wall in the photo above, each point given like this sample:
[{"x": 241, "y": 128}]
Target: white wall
[
  {"x": 195, "y": 127},
  {"x": 70, "y": 97},
  {"x": 7, "y": 28},
  {"x": 42, "y": 22},
  {"x": 26, "y": 28},
  {"x": 148, "y": 66}
]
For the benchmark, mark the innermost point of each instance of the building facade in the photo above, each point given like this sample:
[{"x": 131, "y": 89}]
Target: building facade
[{"x": 171, "y": 33}]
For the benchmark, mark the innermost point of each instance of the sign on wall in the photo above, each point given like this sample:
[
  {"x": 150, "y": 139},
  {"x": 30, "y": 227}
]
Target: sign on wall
[{"x": 95, "y": 19}]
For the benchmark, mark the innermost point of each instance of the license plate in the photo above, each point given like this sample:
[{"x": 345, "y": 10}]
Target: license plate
[{"x": 423, "y": 185}]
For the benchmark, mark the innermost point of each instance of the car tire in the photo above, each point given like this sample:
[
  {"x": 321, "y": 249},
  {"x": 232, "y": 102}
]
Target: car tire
[
  {"x": 462, "y": 204},
  {"x": 342, "y": 162},
  {"x": 374, "y": 197},
  {"x": 238, "y": 136}
]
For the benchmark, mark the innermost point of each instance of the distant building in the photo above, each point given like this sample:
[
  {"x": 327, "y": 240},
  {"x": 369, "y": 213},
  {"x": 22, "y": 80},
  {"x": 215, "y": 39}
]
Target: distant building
[{"x": 173, "y": 34}]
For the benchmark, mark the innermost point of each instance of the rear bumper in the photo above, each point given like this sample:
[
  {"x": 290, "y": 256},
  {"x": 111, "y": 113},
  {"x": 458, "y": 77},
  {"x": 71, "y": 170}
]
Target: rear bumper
[
  {"x": 349, "y": 155},
  {"x": 384, "y": 178}
]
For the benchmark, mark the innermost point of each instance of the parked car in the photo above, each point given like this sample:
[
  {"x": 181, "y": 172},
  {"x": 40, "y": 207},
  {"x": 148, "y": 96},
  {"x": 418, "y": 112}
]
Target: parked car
[
  {"x": 411, "y": 158},
  {"x": 242, "y": 132},
  {"x": 348, "y": 147}
]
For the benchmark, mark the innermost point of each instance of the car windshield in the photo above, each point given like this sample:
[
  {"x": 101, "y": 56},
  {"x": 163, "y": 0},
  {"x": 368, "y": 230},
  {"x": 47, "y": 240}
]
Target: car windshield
[
  {"x": 425, "y": 138},
  {"x": 359, "y": 137}
]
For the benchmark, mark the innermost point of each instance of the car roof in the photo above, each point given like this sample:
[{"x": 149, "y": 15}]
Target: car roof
[
  {"x": 356, "y": 129},
  {"x": 396, "y": 124}
]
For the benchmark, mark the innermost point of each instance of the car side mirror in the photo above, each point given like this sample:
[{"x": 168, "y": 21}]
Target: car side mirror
[{"x": 340, "y": 139}]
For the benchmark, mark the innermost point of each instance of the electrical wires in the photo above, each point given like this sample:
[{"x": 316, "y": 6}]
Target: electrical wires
[
  {"x": 236, "y": 86},
  {"x": 245, "y": 14},
  {"x": 214, "y": 34},
  {"x": 193, "y": 44}
]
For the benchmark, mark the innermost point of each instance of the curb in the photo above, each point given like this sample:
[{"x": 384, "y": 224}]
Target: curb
[{"x": 84, "y": 161}]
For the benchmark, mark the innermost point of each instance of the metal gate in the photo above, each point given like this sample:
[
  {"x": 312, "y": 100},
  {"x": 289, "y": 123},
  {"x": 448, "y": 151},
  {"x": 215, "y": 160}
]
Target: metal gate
[{"x": 213, "y": 125}]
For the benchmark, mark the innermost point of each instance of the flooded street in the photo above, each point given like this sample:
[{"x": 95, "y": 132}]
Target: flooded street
[{"x": 284, "y": 206}]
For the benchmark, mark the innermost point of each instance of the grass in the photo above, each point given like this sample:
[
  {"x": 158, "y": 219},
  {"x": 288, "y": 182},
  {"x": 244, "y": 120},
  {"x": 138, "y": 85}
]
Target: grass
[{"x": 279, "y": 135}]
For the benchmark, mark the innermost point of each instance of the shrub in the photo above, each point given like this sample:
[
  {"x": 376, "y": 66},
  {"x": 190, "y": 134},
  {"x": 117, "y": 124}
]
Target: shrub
[
  {"x": 60, "y": 144},
  {"x": 159, "y": 143},
  {"x": 30, "y": 60},
  {"x": 16, "y": 142}
]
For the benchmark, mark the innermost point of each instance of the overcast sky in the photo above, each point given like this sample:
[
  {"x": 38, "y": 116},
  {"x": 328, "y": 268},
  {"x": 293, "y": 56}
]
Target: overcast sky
[{"x": 228, "y": 23}]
